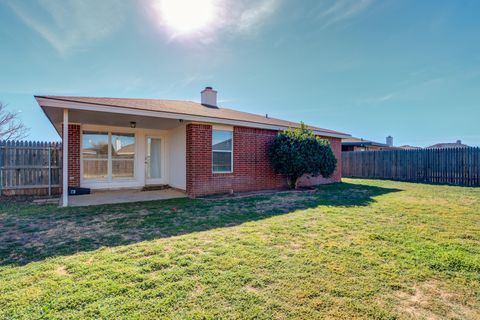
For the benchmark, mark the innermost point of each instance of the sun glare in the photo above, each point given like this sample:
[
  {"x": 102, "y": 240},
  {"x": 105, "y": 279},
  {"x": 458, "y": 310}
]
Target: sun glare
[{"x": 186, "y": 16}]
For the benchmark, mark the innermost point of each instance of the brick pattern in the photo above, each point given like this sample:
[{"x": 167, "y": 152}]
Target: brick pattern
[
  {"x": 73, "y": 155},
  {"x": 199, "y": 158},
  {"x": 252, "y": 170},
  {"x": 251, "y": 166}
]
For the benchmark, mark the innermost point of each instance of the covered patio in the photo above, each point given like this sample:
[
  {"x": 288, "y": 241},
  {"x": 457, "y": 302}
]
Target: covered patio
[{"x": 116, "y": 152}]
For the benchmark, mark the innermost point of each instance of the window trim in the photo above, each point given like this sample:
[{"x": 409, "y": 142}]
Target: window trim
[
  {"x": 224, "y": 151},
  {"x": 109, "y": 178}
]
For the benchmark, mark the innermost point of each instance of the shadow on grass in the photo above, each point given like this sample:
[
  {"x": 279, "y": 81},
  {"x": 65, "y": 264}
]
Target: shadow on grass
[{"x": 31, "y": 233}]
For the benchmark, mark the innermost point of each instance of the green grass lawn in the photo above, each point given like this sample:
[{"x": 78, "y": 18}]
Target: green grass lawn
[{"x": 361, "y": 249}]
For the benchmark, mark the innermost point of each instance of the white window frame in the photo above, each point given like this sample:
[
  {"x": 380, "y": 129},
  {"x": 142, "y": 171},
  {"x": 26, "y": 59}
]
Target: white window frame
[
  {"x": 226, "y": 151},
  {"x": 109, "y": 160},
  {"x": 110, "y": 152}
]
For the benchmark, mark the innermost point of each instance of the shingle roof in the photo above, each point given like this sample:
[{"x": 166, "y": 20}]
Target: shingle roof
[
  {"x": 409, "y": 147},
  {"x": 361, "y": 142},
  {"x": 185, "y": 108},
  {"x": 447, "y": 146}
]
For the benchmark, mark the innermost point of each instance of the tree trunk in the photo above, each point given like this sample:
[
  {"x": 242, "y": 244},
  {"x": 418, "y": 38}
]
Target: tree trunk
[{"x": 292, "y": 182}]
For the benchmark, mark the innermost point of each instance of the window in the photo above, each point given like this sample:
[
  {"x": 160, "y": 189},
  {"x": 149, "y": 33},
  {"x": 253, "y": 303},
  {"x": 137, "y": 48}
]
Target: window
[
  {"x": 95, "y": 155},
  {"x": 108, "y": 156},
  {"x": 222, "y": 150},
  {"x": 123, "y": 155}
]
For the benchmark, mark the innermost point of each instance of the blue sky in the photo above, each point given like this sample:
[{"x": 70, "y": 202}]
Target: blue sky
[{"x": 371, "y": 68}]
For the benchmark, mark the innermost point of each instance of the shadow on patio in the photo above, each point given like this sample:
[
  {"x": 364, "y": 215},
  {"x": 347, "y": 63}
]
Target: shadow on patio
[{"x": 31, "y": 233}]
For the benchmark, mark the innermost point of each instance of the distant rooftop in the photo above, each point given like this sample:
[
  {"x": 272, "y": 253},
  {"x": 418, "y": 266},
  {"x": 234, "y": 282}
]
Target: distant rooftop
[
  {"x": 409, "y": 147},
  {"x": 448, "y": 145},
  {"x": 362, "y": 142}
]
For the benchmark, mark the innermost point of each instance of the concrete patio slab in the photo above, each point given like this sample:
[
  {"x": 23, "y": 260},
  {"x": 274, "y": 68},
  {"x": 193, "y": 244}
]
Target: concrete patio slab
[{"x": 123, "y": 196}]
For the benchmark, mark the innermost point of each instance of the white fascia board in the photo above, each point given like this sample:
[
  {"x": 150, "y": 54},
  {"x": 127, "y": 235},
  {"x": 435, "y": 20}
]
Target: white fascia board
[{"x": 45, "y": 102}]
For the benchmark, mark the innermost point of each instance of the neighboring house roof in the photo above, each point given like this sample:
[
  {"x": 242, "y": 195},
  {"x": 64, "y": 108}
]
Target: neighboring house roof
[
  {"x": 224, "y": 145},
  {"x": 127, "y": 150},
  {"x": 359, "y": 142},
  {"x": 89, "y": 151},
  {"x": 408, "y": 147},
  {"x": 447, "y": 146},
  {"x": 186, "y": 108}
]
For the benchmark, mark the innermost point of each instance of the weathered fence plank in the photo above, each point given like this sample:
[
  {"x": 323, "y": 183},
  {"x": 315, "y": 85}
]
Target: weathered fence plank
[
  {"x": 458, "y": 166},
  {"x": 30, "y": 167}
]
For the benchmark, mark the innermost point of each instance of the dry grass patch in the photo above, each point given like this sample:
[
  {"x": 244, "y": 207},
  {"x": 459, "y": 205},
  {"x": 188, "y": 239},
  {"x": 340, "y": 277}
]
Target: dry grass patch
[
  {"x": 428, "y": 300},
  {"x": 61, "y": 270}
]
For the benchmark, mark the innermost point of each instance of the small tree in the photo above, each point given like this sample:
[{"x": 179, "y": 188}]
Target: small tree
[
  {"x": 11, "y": 128},
  {"x": 296, "y": 152}
]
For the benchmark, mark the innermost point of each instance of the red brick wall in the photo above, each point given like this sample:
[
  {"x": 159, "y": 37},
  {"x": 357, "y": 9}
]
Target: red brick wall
[
  {"x": 251, "y": 167},
  {"x": 73, "y": 155},
  {"x": 199, "y": 160}
]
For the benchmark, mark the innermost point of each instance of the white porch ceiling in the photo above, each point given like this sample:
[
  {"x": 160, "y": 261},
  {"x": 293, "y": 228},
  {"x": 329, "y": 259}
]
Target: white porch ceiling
[{"x": 108, "y": 119}]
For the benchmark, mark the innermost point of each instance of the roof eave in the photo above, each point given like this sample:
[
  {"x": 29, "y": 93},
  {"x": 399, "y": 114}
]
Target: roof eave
[
  {"x": 44, "y": 101},
  {"x": 46, "y": 114}
]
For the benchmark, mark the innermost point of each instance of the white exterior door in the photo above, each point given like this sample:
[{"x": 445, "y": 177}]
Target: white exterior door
[{"x": 154, "y": 160}]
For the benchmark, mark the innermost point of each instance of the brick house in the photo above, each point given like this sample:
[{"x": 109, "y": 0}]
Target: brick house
[
  {"x": 199, "y": 148},
  {"x": 360, "y": 144}
]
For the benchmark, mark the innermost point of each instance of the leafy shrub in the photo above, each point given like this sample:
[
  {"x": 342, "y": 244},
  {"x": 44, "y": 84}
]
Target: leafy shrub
[{"x": 296, "y": 152}]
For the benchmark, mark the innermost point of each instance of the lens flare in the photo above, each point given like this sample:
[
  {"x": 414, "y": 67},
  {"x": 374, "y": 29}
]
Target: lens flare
[{"x": 186, "y": 16}]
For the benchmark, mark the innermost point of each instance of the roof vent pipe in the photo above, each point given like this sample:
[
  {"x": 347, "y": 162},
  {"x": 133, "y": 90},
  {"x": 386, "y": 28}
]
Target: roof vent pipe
[{"x": 209, "y": 97}]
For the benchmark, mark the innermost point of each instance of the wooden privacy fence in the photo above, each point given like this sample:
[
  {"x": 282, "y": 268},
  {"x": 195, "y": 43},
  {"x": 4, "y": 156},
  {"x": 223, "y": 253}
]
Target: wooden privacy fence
[
  {"x": 30, "y": 168},
  {"x": 459, "y": 166}
]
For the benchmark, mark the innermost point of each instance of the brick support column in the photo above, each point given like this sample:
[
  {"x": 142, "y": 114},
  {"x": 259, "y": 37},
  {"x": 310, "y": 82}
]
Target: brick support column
[
  {"x": 73, "y": 155},
  {"x": 199, "y": 158}
]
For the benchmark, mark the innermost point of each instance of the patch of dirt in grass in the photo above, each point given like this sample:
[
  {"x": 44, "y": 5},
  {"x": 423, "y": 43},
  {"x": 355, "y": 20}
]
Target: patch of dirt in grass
[
  {"x": 251, "y": 289},
  {"x": 61, "y": 271},
  {"x": 197, "y": 291},
  {"x": 167, "y": 248},
  {"x": 429, "y": 301},
  {"x": 284, "y": 201},
  {"x": 90, "y": 261},
  {"x": 295, "y": 247}
]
